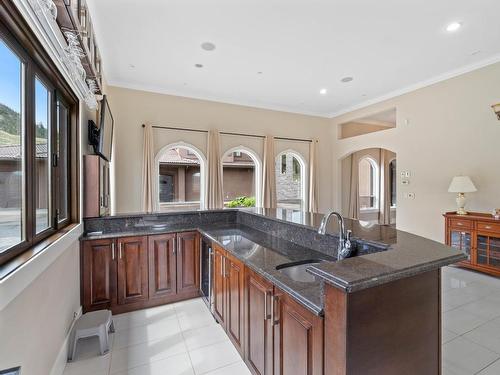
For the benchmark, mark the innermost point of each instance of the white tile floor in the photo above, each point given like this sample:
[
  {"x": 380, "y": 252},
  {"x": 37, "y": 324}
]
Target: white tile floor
[
  {"x": 183, "y": 338},
  {"x": 177, "y": 339}
]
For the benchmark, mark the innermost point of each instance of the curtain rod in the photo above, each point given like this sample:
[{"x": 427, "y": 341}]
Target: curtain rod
[{"x": 230, "y": 133}]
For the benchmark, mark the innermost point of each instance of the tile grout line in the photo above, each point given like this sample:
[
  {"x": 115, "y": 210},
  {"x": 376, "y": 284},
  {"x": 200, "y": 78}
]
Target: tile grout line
[{"x": 183, "y": 339}]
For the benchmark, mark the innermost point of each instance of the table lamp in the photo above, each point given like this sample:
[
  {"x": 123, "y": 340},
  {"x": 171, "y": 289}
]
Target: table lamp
[{"x": 461, "y": 185}]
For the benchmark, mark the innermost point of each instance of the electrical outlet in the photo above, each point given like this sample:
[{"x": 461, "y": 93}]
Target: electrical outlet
[
  {"x": 404, "y": 181},
  {"x": 410, "y": 195}
]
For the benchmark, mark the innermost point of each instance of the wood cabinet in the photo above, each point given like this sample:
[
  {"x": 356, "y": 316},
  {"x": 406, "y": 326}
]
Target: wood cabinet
[
  {"x": 298, "y": 337},
  {"x": 258, "y": 327},
  {"x": 130, "y": 273},
  {"x": 132, "y": 269},
  {"x": 162, "y": 266},
  {"x": 235, "y": 289},
  {"x": 477, "y": 235},
  {"x": 96, "y": 187},
  {"x": 219, "y": 306},
  {"x": 282, "y": 336},
  {"x": 188, "y": 262},
  {"x": 99, "y": 278},
  {"x": 229, "y": 280}
]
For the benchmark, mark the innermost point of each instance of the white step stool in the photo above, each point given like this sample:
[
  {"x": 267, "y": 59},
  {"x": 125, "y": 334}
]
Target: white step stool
[{"x": 95, "y": 323}]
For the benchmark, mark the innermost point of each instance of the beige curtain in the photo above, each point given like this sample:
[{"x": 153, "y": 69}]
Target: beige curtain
[
  {"x": 268, "y": 174},
  {"x": 213, "y": 194},
  {"x": 385, "y": 188},
  {"x": 149, "y": 187},
  {"x": 354, "y": 187},
  {"x": 313, "y": 176}
]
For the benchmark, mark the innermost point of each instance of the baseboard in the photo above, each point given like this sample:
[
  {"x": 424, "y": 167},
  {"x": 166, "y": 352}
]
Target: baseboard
[{"x": 62, "y": 356}]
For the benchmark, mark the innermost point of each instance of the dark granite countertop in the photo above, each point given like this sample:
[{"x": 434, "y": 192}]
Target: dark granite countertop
[
  {"x": 275, "y": 236},
  {"x": 262, "y": 253}
]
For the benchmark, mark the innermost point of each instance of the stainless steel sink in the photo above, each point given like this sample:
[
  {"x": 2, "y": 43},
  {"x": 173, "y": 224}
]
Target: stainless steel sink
[{"x": 297, "y": 270}]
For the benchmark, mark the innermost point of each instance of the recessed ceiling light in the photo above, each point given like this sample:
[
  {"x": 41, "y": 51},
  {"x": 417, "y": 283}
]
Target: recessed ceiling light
[
  {"x": 454, "y": 26},
  {"x": 208, "y": 46},
  {"x": 131, "y": 66},
  {"x": 346, "y": 79},
  {"x": 259, "y": 72},
  {"x": 323, "y": 91},
  {"x": 198, "y": 65}
]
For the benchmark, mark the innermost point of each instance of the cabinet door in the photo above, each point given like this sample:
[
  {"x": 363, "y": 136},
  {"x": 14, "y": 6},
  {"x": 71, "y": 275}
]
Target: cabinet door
[
  {"x": 258, "y": 326},
  {"x": 162, "y": 266},
  {"x": 188, "y": 262},
  {"x": 488, "y": 250},
  {"x": 132, "y": 269},
  {"x": 219, "y": 304},
  {"x": 235, "y": 279},
  {"x": 298, "y": 338},
  {"x": 461, "y": 240},
  {"x": 98, "y": 270}
]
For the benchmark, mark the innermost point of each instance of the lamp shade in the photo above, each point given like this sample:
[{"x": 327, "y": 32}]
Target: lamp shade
[{"x": 461, "y": 184}]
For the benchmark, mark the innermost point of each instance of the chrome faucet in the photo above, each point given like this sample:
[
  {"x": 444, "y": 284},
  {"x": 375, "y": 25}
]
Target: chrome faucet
[{"x": 345, "y": 245}]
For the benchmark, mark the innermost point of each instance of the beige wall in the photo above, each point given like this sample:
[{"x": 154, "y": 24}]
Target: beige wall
[
  {"x": 35, "y": 324},
  {"x": 131, "y": 108},
  {"x": 442, "y": 130},
  {"x": 353, "y": 129}
]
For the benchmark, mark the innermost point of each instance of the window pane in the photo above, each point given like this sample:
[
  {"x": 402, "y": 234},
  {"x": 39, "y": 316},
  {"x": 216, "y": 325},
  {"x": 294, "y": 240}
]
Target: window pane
[
  {"x": 289, "y": 182},
  {"x": 11, "y": 149},
  {"x": 179, "y": 179},
  {"x": 42, "y": 165},
  {"x": 62, "y": 155},
  {"x": 238, "y": 180}
]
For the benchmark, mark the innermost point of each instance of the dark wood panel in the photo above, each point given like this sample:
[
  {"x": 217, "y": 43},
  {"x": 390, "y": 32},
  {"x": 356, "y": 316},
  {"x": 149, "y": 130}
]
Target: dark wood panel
[
  {"x": 188, "y": 262},
  {"x": 132, "y": 269},
  {"x": 391, "y": 329},
  {"x": 162, "y": 265},
  {"x": 219, "y": 305},
  {"x": 98, "y": 274},
  {"x": 259, "y": 333},
  {"x": 235, "y": 279},
  {"x": 298, "y": 338}
]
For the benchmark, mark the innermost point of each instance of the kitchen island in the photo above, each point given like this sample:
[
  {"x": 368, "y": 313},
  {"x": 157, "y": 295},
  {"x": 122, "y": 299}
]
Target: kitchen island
[{"x": 286, "y": 302}]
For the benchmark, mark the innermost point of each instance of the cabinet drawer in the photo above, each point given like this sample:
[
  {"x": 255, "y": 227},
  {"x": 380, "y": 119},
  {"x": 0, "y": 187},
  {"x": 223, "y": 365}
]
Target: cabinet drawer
[
  {"x": 489, "y": 227},
  {"x": 461, "y": 224}
]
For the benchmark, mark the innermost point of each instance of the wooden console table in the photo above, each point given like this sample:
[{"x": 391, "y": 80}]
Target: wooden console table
[{"x": 478, "y": 236}]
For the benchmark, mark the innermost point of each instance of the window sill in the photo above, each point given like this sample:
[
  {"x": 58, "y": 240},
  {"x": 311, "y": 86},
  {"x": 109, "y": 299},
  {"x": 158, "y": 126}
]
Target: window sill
[
  {"x": 369, "y": 210},
  {"x": 19, "y": 272}
]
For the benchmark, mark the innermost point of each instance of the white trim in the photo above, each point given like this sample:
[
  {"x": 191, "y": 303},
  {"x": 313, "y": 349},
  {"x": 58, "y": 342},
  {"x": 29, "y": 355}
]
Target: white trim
[
  {"x": 304, "y": 173},
  {"x": 203, "y": 163},
  {"x": 419, "y": 85},
  {"x": 62, "y": 357},
  {"x": 258, "y": 170}
]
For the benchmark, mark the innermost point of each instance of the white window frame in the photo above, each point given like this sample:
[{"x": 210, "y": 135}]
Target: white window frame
[
  {"x": 304, "y": 172},
  {"x": 257, "y": 169},
  {"x": 203, "y": 176}
]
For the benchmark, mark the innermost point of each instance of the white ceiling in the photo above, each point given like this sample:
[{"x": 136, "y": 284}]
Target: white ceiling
[{"x": 301, "y": 46}]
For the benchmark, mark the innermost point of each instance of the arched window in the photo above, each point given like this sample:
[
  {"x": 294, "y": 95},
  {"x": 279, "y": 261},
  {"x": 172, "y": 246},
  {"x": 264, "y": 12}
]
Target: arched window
[
  {"x": 393, "y": 181},
  {"x": 368, "y": 184},
  {"x": 241, "y": 170},
  {"x": 291, "y": 178},
  {"x": 181, "y": 174}
]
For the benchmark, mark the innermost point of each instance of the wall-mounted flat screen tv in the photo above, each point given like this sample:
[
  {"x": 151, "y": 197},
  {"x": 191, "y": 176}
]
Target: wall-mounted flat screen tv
[{"x": 106, "y": 124}]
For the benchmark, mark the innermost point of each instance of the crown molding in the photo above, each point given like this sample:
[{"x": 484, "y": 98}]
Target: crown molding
[{"x": 419, "y": 85}]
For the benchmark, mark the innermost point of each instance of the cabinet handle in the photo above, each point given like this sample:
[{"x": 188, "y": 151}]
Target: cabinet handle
[
  {"x": 120, "y": 254},
  {"x": 459, "y": 223},
  {"x": 175, "y": 245},
  {"x": 488, "y": 227},
  {"x": 222, "y": 267},
  {"x": 113, "y": 250},
  {"x": 273, "y": 300},
  {"x": 266, "y": 314}
]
